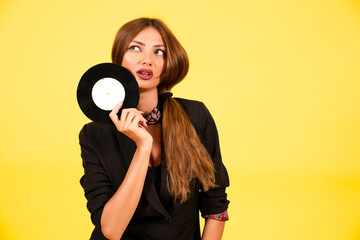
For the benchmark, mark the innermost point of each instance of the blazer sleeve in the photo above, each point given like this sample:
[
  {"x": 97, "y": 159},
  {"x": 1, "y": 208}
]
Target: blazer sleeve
[
  {"x": 214, "y": 200},
  {"x": 95, "y": 181}
]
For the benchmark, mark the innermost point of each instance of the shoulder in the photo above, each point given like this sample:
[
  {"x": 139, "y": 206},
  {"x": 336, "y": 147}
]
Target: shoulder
[
  {"x": 192, "y": 107},
  {"x": 188, "y": 103},
  {"x": 95, "y": 131},
  {"x": 96, "y": 128},
  {"x": 198, "y": 113}
]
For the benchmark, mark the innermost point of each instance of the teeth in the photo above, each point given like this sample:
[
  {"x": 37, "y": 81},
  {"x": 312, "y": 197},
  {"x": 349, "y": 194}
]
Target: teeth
[{"x": 145, "y": 73}]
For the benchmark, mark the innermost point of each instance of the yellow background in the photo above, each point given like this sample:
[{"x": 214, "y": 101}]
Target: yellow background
[{"x": 281, "y": 78}]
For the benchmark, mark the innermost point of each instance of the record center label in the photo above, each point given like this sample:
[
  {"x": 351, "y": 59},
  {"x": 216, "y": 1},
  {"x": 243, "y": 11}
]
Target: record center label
[{"x": 107, "y": 93}]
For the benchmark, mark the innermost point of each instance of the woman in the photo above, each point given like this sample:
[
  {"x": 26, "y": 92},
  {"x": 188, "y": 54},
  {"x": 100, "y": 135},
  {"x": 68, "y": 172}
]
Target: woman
[{"x": 148, "y": 175}]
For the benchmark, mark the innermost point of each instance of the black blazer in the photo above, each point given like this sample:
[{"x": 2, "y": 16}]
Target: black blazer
[{"x": 107, "y": 154}]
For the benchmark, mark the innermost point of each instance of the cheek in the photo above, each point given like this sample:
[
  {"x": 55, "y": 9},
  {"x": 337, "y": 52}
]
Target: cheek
[
  {"x": 126, "y": 62},
  {"x": 161, "y": 66}
]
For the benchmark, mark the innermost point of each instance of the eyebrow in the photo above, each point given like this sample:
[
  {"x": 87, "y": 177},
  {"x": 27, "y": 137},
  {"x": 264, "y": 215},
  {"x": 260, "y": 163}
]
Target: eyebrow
[{"x": 143, "y": 44}]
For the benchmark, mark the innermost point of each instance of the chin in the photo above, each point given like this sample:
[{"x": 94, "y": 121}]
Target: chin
[{"x": 147, "y": 88}]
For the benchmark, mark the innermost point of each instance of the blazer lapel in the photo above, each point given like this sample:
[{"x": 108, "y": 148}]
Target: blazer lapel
[
  {"x": 150, "y": 193},
  {"x": 165, "y": 195}
]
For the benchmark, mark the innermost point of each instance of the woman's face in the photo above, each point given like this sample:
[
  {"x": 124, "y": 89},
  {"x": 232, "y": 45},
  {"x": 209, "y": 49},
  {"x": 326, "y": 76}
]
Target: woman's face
[{"x": 145, "y": 58}]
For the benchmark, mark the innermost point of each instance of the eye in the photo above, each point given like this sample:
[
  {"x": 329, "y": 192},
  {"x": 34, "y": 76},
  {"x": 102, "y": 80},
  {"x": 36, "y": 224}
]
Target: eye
[
  {"x": 135, "y": 48},
  {"x": 159, "y": 52}
]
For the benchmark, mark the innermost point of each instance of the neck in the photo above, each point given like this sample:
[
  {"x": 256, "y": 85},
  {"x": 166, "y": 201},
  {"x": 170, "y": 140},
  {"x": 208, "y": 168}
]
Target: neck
[{"x": 148, "y": 101}]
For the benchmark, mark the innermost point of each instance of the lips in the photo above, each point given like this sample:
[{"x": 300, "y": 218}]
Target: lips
[{"x": 145, "y": 74}]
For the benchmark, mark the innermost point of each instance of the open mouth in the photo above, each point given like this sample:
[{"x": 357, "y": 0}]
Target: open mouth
[{"x": 145, "y": 74}]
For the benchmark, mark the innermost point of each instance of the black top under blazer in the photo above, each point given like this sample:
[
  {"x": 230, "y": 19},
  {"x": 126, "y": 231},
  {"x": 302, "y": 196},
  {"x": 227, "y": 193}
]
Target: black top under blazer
[{"x": 107, "y": 154}]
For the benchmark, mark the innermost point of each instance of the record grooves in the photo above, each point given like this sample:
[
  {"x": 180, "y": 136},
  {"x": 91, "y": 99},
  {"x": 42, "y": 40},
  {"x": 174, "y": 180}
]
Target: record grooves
[{"x": 102, "y": 87}]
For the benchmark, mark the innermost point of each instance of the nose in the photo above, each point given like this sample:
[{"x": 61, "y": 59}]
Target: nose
[{"x": 146, "y": 59}]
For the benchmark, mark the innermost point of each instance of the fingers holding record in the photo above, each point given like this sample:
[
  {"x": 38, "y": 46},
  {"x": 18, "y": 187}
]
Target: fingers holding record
[
  {"x": 130, "y": 118},
  {"x": 132, "y": 124},
  {"x": 114, "y": 113}
]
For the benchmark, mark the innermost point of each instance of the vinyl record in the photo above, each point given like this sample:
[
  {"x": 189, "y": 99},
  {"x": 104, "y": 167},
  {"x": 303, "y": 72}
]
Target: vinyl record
[{"x": 102, "y": 87}]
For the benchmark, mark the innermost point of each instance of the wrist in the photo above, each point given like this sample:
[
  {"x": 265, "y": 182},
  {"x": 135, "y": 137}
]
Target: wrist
[{"x": 144, "y": 147}]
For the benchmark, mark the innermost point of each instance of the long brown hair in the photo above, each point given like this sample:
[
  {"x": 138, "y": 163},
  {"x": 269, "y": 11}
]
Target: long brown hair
[{"x": 186, "y": 157}]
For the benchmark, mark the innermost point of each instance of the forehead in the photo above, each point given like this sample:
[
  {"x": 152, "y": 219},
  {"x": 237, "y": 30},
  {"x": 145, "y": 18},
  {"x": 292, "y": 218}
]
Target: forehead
[{"x": 149, "y": 36}]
